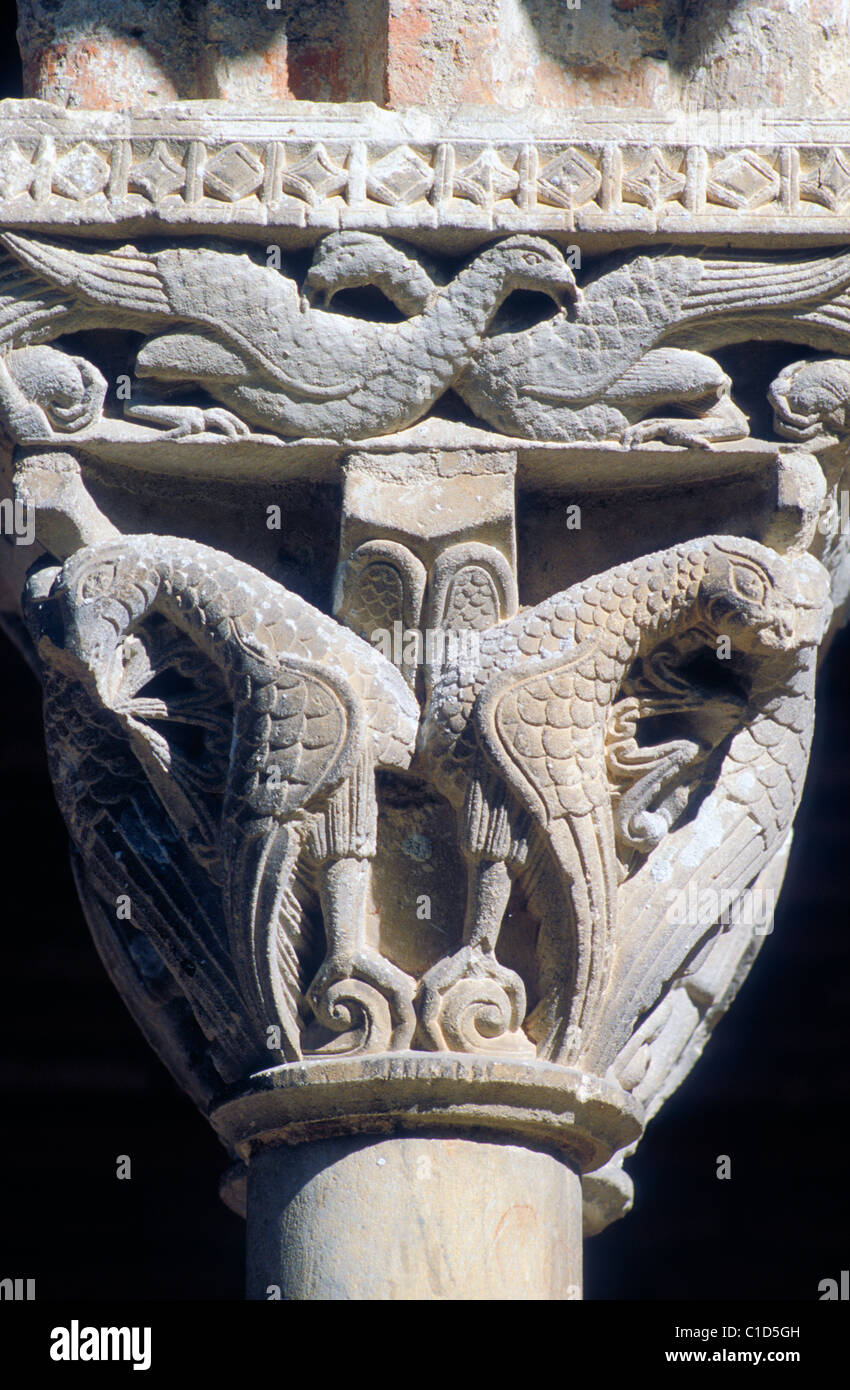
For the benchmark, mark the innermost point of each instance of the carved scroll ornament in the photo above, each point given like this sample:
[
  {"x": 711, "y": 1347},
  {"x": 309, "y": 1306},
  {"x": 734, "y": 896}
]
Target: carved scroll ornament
[
  {"x": 217, "y": 764},
  {"x": 225, "y": 752}
]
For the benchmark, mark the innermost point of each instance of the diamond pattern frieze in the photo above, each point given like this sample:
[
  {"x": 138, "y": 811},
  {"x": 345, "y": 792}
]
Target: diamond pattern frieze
[
  {"x": 653, "y": 182},
  {"x": 233, "y": 174},
  {"x": 568, "y": 181},
  {"x": 486, "y": 179},
  {"x": 158, "y": 176},
  {"x": 399, "y": 178},
  {"x": 80, "y": 173},
  {"x": 315, "y": 177},
  {"x": 829, "y": 182},
  {"x": 744, "y": 180},
  {"x": 16, "y": 171}
]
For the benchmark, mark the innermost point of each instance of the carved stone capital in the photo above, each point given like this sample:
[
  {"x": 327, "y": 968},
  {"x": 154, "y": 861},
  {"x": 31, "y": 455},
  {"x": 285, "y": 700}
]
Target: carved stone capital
[{"x": 428, "y": 636}]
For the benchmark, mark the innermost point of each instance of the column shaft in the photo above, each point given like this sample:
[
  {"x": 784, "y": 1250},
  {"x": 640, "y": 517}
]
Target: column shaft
[{"x": 413, "y": 1217}]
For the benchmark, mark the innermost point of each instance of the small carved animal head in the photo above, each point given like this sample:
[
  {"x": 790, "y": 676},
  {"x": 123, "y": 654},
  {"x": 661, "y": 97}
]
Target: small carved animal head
[
  {"x": 98, "y": 599},
  {"x": 535, "y": 264},
  {"x": 761, "y": 600},
  {"x": 350, "y": 260},
  {"x": 812, "y": 399}
]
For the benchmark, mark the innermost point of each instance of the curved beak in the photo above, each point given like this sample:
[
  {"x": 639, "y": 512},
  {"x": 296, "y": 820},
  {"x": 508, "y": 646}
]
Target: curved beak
[
  {"x": 564, "y": 288},
  {"x": 315, "y": 295}
]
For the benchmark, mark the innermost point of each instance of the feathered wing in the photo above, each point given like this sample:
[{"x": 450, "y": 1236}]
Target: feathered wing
[
  {"x": 143, "y": 886},
  {"x": 124, "y": 279},
  {"x": 181, "y": 788},
  {"x": 381, "y": 583},
  {"x": 151, "y": 993},
  {"x": 299, "y": 732},
  {"x": 31, "y": 309},
  {"x": 672, "y": 1035},
  {"x": 667, "y": 909},
  {"x": 541, "y": 729},
  {"x": 251, "y": 307},
  {"x": 692, "y": 301},
  {"x": 804, "y": 299},
  {"x": 472, "y": 589},
  {"x": 745, "y": 284}
]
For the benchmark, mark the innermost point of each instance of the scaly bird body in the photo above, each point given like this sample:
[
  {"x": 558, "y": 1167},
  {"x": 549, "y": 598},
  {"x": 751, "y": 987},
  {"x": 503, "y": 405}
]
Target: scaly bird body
[
  {"x": 313, "y": 711},
  {"x": 241, "y": 331},
  {"x": 636, "y": 340},
  {"x": 518, "y": 746}
]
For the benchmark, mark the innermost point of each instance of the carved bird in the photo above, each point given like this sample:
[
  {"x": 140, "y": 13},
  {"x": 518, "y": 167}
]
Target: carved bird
[
  {"x": 243, "y": 727},
  {"x": 517, "y": 745},
  {"x": 219, "y": 320},
  {"x": 636, "y": 340}
]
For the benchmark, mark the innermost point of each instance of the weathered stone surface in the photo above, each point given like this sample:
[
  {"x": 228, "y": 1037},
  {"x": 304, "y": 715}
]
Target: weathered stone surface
[
  {"x": 636, "y": 53},
  {"x": 342, "y": 1219},
  {"x": 240, "y": 329},
  {"x": 305, "y": 168},
  {"x": 394, "y": 813}
]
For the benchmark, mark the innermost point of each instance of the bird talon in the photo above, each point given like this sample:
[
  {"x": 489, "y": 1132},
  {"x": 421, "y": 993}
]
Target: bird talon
[
  {"x": 367, "y": 1000},
  {"x": 470, "y": 1002},
  {"x": 225, "y": 421}
]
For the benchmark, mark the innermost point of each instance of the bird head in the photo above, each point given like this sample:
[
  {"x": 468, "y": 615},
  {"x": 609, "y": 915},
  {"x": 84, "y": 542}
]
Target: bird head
[
  {"x": 349, "y": 260},
  {"x": 812, "y": 399},
  {"x": 87, "y": 613},
  {"x": 761, "y": 600},
  {"x": 534, "y": 264},
  {"x": 345, "y": 260}
]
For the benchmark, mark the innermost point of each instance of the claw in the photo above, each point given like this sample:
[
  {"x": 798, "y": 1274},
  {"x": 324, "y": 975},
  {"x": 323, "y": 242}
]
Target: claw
[
  {"x": 472, "y": 1003},
  {"x": 226, "y": 421},
  {"x": 667, "y": 432},
  {"x": 366, "y": 1001},
  {"x": 183, "y": 420}
]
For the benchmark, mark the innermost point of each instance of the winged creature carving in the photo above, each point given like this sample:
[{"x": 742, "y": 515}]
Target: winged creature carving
[
  {"x": 213, "y": 741},
  {"x": 522, "y": 747},
  {"x": 240, "y": 330},
  {"x": 635, "y": 340}
]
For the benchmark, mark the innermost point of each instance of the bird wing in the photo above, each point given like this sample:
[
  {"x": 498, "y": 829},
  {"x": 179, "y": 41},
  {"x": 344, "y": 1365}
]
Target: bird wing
[
  {"x": 124, "y": 279},
  {"x": 32, "y": 310},
  {"x": 150, "y": 992},
  {"x": 700, "y": 300},
  {"x": 745, "y": 285},
  {"x": 177, "y": 792},
  {"x": 241, "y": 303},
  {"x": 172, "y": 949},
  {"x": 541, "y": 727},
  {"x": 299, "y": 731},
  {"x": 720, "y": 852}
]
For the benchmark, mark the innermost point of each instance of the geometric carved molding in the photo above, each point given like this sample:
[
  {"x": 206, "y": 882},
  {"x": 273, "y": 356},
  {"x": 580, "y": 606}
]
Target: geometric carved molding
[
  {"x": 321, "y": 167},
  {"x": 264, "y": 781}
]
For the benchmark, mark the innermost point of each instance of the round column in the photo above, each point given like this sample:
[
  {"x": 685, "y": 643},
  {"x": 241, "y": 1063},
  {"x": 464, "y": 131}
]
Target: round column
[
  {"x": 413, "y": 1217},
  {"x": 418, "y": 1175}
]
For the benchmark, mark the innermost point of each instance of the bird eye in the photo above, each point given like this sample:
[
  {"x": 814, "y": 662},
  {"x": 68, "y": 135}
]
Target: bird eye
[
  {"x": 532, "y": 258},
  {"x": 96, "y": 582},
  {"x": 748, "y": 583}
]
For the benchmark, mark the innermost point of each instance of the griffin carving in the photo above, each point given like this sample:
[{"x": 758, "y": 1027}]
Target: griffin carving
[
  {"x": 635, "y": 341},
  {"x": 213, "y": 742},
  {"x": 536, "y": 750},
  {"x": 240, "y": 330},
  {"x": 208, "y": 727}
]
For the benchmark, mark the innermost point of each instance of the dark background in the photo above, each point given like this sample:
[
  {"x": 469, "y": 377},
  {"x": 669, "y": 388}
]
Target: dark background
[{"x": 78, "y": 1086}]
